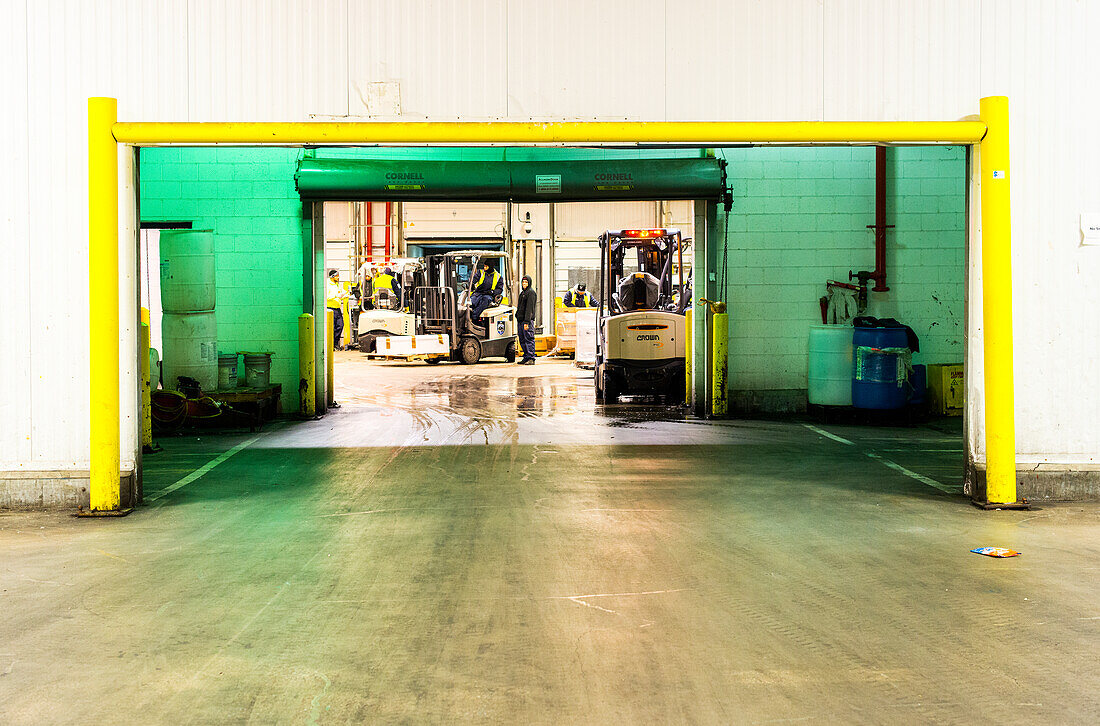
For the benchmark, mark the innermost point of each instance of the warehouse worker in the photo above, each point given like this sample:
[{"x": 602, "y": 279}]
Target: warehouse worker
[
  {"x": 487, "y": 289},
  {"x": 334, "y": 300},
  {"x": 385, "y": 280},
  {"x": 365, "y": 274},
  {"x": 578, "y": 297},
  {"x": 525, "y": 314}
]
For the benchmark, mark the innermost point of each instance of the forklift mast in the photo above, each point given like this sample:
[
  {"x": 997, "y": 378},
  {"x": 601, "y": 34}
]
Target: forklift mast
[{"x": 655, "y": 250}]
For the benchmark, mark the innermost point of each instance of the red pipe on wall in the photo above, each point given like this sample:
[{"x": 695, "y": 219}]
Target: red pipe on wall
[
  {"x": 370, "y": 232},
  {"x": 389, "y": 210},
  {"x": 880, "y": 226}
]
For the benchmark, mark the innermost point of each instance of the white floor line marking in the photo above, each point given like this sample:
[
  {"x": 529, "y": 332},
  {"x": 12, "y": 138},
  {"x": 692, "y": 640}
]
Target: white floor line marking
[
  {"x": 365, "y": 511},
  {"x": 827, "y": 435},
  {"x": 913, "y": 475},
  {"x": 616, "y": 594},
  {"x": 198, "y": 473},
  {"x": 580, "y": 599}
]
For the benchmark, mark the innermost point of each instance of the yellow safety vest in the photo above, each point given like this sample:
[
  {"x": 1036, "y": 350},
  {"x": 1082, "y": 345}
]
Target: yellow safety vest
[
  {"x": 332, "y": 294},
  {"x": 383, "y": 282},
  {"x": 496, "y": 279}
]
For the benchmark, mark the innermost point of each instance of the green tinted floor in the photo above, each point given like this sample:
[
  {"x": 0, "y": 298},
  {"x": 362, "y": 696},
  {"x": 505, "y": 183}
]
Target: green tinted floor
[{"x": 481, "y": 545}]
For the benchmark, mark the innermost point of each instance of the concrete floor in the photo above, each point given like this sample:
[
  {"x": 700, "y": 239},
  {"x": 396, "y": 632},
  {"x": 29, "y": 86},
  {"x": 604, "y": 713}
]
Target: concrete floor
[{"x": 480, "y": 544}]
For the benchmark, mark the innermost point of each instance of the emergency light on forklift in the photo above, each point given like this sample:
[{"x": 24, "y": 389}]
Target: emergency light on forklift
[{"x": 642, "y": 233}]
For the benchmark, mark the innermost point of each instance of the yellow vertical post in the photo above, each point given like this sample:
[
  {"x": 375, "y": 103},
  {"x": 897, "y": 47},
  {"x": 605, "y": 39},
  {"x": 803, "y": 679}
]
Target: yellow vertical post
[
  {"x": 687, "y": 355},
  {"x": 307, "y": 380},
  {"x": 719, "y": 395},
  {"x": 146, "y": 383},
  {"x": 330, "y": 377},
  {"x": 1000, "y": 429},
  {"x": 103, "y": 354},
  {"x": 558, "y": 305}
]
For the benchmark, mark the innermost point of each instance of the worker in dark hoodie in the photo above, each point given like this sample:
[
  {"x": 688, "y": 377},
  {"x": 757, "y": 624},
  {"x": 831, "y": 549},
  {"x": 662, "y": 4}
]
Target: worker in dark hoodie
[{"x": 525, "y": 315}]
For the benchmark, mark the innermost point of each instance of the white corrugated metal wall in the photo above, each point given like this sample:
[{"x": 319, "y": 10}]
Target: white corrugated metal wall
[{"x": 518, "y": 59}]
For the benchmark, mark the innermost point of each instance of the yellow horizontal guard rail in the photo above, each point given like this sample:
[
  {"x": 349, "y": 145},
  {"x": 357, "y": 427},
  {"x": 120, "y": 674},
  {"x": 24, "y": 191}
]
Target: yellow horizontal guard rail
[
  {"x": 704, "y": 133},
  {"x": 103, "y": 222}
]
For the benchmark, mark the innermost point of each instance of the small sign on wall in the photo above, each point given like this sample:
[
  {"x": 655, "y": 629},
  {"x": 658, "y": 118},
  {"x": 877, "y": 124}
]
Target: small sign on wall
[
  {"x": 1090, "y": 228},
  {"x": 548, "y": 184}
]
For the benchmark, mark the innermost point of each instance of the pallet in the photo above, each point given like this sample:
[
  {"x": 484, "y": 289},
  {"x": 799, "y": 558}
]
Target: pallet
[
  {"x": 260, "y": 403},
  {"x": 425, "y": 356}
]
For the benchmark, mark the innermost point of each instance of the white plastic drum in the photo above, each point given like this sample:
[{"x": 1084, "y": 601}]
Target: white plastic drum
[
  {"x": 190, "y": 349},
  {"x": 831, "y": 365},
  {"x": 187, "y": 280}
]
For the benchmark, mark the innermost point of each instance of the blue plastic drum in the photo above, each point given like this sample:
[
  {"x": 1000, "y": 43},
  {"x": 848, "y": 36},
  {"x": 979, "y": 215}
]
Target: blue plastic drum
[{"x": 875, "y": 379}]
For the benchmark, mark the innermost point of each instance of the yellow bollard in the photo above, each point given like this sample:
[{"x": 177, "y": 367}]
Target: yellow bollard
[
  {"x": 688, "y": 314},
  {"x": 146, "y": 384},
  {"x": 330, "y": 377},
  {"x": 719, "y": 393},
  {"x": 105, "y": 439},
  {"x": 1000, "y": 430},
  {"x": 307, "y": 381}
]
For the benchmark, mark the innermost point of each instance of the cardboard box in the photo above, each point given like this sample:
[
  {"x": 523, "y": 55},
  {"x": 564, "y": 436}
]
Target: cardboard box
[{"x": 946, "y": 389}]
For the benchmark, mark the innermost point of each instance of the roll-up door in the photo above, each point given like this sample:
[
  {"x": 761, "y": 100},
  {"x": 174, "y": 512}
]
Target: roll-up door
[{"x": 522, "y": 181}]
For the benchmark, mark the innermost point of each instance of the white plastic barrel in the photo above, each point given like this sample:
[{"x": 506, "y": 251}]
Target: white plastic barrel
[
  {"x": 190, "y": 349},
  {"x": 831, "y": 364},
  {"x": 187, "y": 280}
]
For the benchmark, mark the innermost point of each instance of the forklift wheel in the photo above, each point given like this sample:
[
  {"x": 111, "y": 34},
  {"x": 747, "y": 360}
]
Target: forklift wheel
[
  {"x": 610, "y": 389},
  {"x": 510, "y": 352},
  {"x": 432, "y": 361},
  {"x": 469, "y": 350}
]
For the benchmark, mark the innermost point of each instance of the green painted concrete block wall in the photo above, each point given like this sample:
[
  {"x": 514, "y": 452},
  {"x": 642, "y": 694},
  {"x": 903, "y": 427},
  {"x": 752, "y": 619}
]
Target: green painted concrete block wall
[
  {"x": 799, "y": 218},
  {"x": 247, "y": 196}
]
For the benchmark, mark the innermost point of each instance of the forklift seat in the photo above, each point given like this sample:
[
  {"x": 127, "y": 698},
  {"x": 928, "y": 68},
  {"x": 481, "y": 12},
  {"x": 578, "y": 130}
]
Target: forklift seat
[{"x": 638, "y": 291}]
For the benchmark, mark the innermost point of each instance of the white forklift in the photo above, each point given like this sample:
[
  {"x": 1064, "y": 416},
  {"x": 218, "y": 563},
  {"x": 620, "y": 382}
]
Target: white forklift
[
  {"x": 389, "y": 313},
  {"x": 641, "y": 329},
  {"x": 445, "y": 328}
]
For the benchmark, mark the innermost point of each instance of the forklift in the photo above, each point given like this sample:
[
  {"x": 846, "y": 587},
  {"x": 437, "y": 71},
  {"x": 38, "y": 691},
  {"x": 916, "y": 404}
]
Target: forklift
[
  {"x": 641, "y": 330},
  {"x": 445, "y": 328},
  {"x": 388, "y": 313}
]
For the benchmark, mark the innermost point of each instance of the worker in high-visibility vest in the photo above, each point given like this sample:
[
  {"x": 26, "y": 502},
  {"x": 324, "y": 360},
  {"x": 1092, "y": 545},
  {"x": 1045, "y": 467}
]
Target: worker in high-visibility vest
[
  {"x": 488, "y": 289},
  {"x": 577, "y": 297},
  {"x": 385, "y": 281},
  {"x": 335, "y": 296},
  {"x": 365, "y": 274}
]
